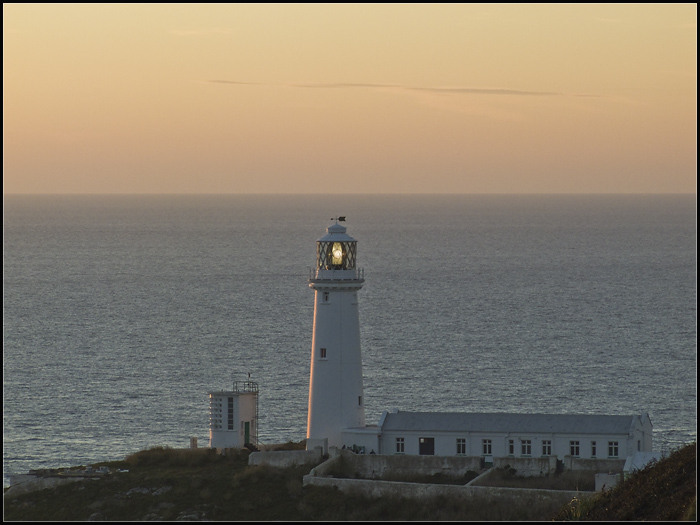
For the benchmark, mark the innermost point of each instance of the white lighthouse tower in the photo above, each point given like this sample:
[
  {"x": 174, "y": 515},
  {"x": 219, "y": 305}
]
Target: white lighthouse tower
[{"x": 335, "y": 391}]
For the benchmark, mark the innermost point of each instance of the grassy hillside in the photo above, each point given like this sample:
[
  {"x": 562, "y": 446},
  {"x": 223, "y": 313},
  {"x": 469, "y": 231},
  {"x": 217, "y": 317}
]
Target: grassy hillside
[
  {"x": 664, "y": 491},
  {"x": 168, "y": 484}
]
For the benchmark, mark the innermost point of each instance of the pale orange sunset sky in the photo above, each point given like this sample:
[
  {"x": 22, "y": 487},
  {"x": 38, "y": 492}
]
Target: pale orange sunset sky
[{"x": 427, "y": 98}]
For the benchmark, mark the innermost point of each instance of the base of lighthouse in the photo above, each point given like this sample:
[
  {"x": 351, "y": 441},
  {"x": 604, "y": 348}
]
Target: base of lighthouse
[{"x": 335, "y": 392}]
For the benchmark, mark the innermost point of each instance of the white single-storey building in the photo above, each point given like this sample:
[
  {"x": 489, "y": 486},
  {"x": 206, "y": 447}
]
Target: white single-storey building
[{"x": 504, "y": 435}]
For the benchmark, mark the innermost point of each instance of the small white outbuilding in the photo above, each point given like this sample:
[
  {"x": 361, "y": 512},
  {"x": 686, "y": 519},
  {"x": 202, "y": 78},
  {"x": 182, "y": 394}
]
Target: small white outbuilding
[{"x": 233, "y": 416}]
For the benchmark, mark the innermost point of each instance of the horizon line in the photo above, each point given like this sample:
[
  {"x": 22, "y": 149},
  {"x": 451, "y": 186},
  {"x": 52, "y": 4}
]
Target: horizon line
[{"x": 9, "y": 194}]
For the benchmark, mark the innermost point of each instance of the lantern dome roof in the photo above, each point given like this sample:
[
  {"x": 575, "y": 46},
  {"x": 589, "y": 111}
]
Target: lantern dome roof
[{"x": 336, "y": 233}]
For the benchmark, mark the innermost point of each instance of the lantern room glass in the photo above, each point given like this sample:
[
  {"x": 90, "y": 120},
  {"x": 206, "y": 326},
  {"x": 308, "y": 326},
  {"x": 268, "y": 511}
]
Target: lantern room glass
[{"x": 336, "y": 255}]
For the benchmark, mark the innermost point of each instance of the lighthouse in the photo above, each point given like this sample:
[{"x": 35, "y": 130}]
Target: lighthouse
[{"x": 335, "y": 389}]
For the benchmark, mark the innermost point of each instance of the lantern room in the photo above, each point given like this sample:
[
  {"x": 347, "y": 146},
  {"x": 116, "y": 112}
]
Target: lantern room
[{"x": 336, "y": 250}]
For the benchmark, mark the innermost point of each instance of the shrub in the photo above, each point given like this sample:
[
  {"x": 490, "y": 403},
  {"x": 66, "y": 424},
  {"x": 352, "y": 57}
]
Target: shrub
[{"x": 171, "y": 457}]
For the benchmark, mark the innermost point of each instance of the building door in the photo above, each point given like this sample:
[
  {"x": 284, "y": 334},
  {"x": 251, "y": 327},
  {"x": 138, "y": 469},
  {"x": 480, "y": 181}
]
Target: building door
[
  {"x": 426, "y": 446},
  {"x": 246, "y": 433}
]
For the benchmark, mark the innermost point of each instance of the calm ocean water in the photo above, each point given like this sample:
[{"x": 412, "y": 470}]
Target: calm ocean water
[{"x": 120, "y": 313}]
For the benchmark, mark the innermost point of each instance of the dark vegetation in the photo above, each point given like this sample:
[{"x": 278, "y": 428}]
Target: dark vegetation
[
  {"x": 169, "y": 484},
  {"x": 663, "y": 491}
]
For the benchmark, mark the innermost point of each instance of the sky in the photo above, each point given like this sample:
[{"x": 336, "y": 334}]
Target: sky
[{"x": 349, "y": 98}]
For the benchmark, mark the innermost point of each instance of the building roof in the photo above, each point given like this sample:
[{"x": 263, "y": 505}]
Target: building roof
[
  {"x": 502, "y": 422},
  {"x": 230, "y": 393}
]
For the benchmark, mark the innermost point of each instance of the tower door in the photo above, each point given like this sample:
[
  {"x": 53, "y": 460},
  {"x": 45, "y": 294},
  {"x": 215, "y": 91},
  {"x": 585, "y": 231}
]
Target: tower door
[
  {"x": 246, "y": 432},
  {"x": 426, "y": 446}
]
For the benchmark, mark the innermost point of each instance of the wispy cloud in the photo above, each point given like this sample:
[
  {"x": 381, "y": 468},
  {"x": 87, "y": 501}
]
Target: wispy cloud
[
  {"x": 485, "y": 91},
  {"x": 422, "y": 89},
  {"x": 501, "y": 104}
]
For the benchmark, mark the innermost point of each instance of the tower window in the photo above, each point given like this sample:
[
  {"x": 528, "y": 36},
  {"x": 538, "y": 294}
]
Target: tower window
[
  {"x": 323, "y": 353},
  {"x": 326, "y": 296},
  {"x": 359, "y": 400}
]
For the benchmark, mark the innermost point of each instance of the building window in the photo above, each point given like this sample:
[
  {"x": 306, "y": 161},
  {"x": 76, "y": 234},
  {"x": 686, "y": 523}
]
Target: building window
[
  {"x": 461, "y": 447},
  {"x": 639, "y": 445},
  {"x": 323, "y": 353},
  {"x": 326, "y": 296},
  {"x": 359, "y": 400},
  {"x": 486, "y": 444},
  {"x": 526, "y": 447},
  {"x": 215, "y": 408},
  {"x": 613, "y": 449},
  {"x": 594, "y": 449},
  {"x": 575, "y": 449},
  {"x": 400, "y": 446},
  {"x": 511, "y": 447},
  {"x": 546, "y": 447},
  {"x": 230, "y": 413}
]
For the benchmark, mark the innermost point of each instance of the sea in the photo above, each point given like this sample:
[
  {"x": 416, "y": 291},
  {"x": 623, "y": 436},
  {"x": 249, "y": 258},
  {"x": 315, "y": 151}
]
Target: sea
[{"x": 121, "y": 312}]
